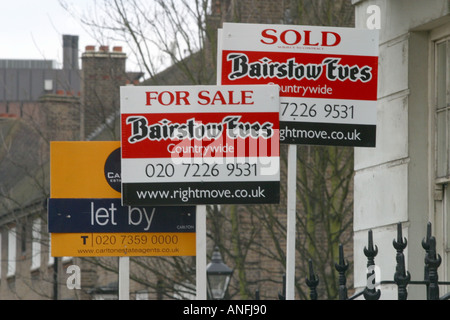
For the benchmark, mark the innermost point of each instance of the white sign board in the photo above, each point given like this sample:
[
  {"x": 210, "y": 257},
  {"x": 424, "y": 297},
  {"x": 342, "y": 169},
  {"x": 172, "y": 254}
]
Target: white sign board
[
  {"x": 200, "y": 144},
  {"x": 327, "y": 78}
]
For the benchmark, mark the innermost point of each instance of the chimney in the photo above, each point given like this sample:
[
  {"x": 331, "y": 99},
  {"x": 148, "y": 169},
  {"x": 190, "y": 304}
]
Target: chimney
[
  {"x": 70, "y": 52},
  {"x": 61, "y": 116},
  {"x": 103, "y": 72}
]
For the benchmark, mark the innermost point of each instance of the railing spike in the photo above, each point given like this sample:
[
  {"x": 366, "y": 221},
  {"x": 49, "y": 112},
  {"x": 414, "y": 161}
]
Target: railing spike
[
  {"x": 426, "y": 246},
  {"x": 342, "y": 267},
  {"x": 401, "y": 276},
  {"x": 425, "y": 241},
  {"x": 312, "y": 282},
  {"x": 370, "y": 251},
  {"x": 433, "y": 260},
  {"x": 370, "y": 293}
]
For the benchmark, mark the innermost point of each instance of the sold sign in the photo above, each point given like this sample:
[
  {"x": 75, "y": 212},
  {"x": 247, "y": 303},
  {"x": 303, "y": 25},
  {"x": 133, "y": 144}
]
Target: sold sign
[{"x": 327, "y": 78}]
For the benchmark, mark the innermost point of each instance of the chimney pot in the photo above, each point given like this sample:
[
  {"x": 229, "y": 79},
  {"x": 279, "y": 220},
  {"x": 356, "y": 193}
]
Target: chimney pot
[
  {"x": 117, "y": 49},
  {"x": 90, "y": 48},
  {"x": 104, "y": 48}
]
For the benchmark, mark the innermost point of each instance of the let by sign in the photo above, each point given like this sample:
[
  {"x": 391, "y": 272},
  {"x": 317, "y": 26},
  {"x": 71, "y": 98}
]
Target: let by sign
[{"x": 86, "y": 216}]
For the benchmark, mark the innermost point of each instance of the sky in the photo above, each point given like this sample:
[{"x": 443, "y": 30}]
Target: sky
[{"x": 33, "y": 29}]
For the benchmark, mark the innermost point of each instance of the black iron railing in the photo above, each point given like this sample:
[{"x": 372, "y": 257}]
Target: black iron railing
[{"x": 402, "y": 278}]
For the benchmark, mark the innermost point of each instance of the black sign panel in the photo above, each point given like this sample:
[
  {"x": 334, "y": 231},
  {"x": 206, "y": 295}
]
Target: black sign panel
[
  {"x": 355, "y": 135},
  {"x": 249, "y": 192},
  {"x": 108, "y": 215}
]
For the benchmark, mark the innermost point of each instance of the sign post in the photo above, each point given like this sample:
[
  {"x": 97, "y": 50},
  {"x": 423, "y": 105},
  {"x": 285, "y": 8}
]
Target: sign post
[
  {"x": 291, "y": 221},
  {"x": 200, "y": 258},
  {"x": 327, "y": 78},
  {"x": 86, "y": 217},
  {"x": 200, "y": 145},
  {"x": 328, "y": 89},
  {"x": 124, "y": 278}
]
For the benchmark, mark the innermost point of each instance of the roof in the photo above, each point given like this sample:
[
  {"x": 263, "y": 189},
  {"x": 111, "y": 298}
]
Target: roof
[{"x": 28, "y": 84}]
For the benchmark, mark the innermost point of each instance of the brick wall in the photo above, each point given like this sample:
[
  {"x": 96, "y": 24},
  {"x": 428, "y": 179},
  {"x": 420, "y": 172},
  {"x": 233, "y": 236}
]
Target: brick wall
[{"x": 61, "y": 116}]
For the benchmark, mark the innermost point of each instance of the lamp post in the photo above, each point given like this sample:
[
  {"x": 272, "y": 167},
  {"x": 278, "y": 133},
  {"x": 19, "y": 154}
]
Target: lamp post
[{"x": 218, "y": 275}]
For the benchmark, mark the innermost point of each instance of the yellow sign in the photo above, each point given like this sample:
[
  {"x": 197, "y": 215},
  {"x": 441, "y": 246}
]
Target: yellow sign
[
  {"x": 79, "y": 169},
  {"x": 91, "y": 170},
  {"x": 122, "y": 244}
]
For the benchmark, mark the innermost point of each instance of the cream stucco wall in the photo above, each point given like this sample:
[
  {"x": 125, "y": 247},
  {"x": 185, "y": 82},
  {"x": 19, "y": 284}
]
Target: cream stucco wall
[{"x": 394, "y": 182}]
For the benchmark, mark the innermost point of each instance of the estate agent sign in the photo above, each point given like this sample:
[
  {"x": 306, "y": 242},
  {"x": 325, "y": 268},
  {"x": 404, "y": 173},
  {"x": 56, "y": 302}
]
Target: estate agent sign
[
  {"x": 86, "y": 217},
  {"x": 327, "y": 77},
  {"x": 200, "y": 145}
]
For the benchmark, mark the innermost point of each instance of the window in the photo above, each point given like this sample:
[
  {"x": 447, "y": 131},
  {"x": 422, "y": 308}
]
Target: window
[
  {"x": 36, "y": 244},
  {"x": 12, "y": 250},
  {"x": 441, "y": 105},
  {"x": 442, "y": 108},
  {"x": 142, "y": 295},
  {"x": 51, "y": 260},
  {"x": 48, "y": 85}
]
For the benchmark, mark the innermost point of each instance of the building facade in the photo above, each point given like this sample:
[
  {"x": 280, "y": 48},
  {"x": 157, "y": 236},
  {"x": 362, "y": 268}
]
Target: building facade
[
  {"x": 39, "y": 104},
  {"x": 406, "y": 177}
]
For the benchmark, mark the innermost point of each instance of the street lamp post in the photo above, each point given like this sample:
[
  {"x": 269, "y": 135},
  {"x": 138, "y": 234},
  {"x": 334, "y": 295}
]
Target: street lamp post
[{"x": 218, "y": 275}]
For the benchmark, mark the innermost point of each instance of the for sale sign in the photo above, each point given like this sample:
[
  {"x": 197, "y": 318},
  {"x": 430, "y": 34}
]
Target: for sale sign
[
  {"x": 200, "y": 144},
  {"x": 327, "y": 78}
]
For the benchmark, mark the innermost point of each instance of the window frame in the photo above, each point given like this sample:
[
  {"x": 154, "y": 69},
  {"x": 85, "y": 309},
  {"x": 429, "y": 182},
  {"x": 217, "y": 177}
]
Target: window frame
[
  {"x": 36, "y": 238},
  {"x": 12, "y": 252},
  {"x": 440, "y": 213}
]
